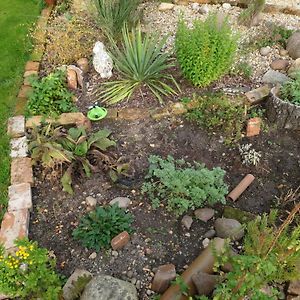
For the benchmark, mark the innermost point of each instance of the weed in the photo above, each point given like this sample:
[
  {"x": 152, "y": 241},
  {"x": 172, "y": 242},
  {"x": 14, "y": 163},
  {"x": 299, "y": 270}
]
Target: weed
[{"x": 290, "y": 91}]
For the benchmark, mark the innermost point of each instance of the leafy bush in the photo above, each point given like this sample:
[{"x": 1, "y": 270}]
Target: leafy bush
[
  {"x": 206, "y": 51},
  {"x": 140, "y": 62},
  {"x": 113, "y": 15},
  {"x": 290, "y": 91},
  {"x": 29, "y": 273},
  {"x": 50, "y": 96},
  {"x": 218, "y": 112},
  {"x": 183, "y": 185},
  {"x": 98, "y": 227}
]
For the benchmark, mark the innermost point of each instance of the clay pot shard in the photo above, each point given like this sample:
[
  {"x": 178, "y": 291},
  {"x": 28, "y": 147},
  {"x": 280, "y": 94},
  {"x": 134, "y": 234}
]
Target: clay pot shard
[{"x": 241, "y": 187}]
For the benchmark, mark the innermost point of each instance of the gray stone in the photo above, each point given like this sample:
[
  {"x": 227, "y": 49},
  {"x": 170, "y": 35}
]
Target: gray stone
[
  {"x": 274, "y": 77},
  {"x": 293, "y": 45},
  {"x": 205, "y": 283},
  {"x": 122, "y": 202},
  {"x": 210, "y": 234},
  {"x": 187, "y": 221},
  {"x": 204, "y": 214},
  {"x": 229, "y": 228},
  {"x": 93, "y": 255},
  {"x": 264, "y": 51},
  {"x": 91, "y": 201},
  {"x": 294, "y": 68},
  {"x": 104, "y": 287}
]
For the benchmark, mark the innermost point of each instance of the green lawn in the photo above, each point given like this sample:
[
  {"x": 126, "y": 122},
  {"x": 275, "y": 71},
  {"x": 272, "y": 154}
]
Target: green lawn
[{"x": 16, "y": 17}]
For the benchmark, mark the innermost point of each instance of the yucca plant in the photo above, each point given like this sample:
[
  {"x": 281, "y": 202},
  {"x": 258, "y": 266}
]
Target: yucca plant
[{"x": 140, "y": 62}]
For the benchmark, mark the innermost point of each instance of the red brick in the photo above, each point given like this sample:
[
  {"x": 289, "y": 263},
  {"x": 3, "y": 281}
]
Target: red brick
[
  {"x": 163, "y": 277},
  {"x": 24, "y": 92},
  {"x": 253, "y": 127},
  {"x": 32, "y": 66},
  {"x": 19, "y": 197},
  {"x": 120, "y": 240},
  {"x": 21, "y": 170}
]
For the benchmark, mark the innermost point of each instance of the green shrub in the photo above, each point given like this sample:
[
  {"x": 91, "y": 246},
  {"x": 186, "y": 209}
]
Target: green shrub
[
  {"x": 29, "y": 273},
  {"x": 218, "y": 112},
  {"x": 140, "y": 62},
  {"x": 290, "y": 91},
  {"x": 206, "y": 51},
  {"x": 98, "y": 227},
  {"x": 182, "y": 185},
  {"x": 50, "y": 96}
]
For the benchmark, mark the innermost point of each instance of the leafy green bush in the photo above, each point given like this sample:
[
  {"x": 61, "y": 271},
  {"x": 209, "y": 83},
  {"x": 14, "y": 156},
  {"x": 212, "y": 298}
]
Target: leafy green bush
[
  {"x": 183, "y": 185},
  {"x": 98, "y": 227},
  {"x": 50, "y": 96},
  {"x": 218, "y": 112},
  {"x": 29, "y": 273},
  {"x": 206, "y": 51},
  {"x": 290, "y": 91},
  {"x": 140, "y": 62}
]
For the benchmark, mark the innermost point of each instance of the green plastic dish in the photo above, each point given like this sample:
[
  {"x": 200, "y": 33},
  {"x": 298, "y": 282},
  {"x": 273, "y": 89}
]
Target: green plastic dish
[{"x": 97, "y": 113}]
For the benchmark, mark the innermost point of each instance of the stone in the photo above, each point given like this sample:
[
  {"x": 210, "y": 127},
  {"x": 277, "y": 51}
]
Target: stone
[
  {"x": 72, "y": 79},
  {"x": 93, "y": 255},
  {"x": 91, "y": 201},
  {"x": 187, "y": 221},
  {"x": 163, "y": 277},
  {"x": 103, "y": 287},
  {"x": 79, "y": 72},
  {"x": 32, "y": 66},
  {"x": 164, "y": 6},
  {"x": 274, "y": 77},
  {"x": 226, "y": 6},
  {"x": 294, "y": 68},
  {"x": 25, "y": 91},
  {"x": 69, "y": 287},
  {"x": 258, "y": 95},
  {"x": 209, "y": 234},
  {"x": 279, "y": 64},
  {"x": 293, "y": 45},
  {"x": 19, "y": 147},
  {"x": 14, "y": 226},
  {"x": 83, "y": 64},
  {"x": 133, "y": 114},
  {"x": 205, "y": 242},
  {"x": 21, "y": 171},
  {"x": 229, "y": 228},
  {"x": 16, "y": 126},
  {"x": 123, "y": 202},
  {"x": 240, "y": 215},
  {"x": 204, "y": 9},
  {"x": 205, "y": 283},
  {"x": 120, "y": 240},
  {"x": 204, "y": 214},
  {"x": 283, "y": 52},
  {"x": 294, "y": 287},
  {"x": 264, "y": 51},
  {"x": 19, "y": 196},
  {"x": 102, "y": 62},
  {"x": 195, "y": 6},
  {"x": 253, "y": 127}
]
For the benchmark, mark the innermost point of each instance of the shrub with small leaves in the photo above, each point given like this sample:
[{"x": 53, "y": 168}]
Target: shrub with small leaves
[
  {"x": 290, "y": 91},
  {"x": 98, "y": 227},
  {"x": 182, "y": 185}
]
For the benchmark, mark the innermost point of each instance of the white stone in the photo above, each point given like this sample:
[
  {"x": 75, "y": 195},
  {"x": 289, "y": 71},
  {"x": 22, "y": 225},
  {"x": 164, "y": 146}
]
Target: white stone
[
  {"x": 195, "y": 6},
  {"x": 264, "y": 51},
  {"x": 16, "y": 126},
  {"x": 102, "y": 62},
  {"x": 165, "y": 6},
  {"x": 18, "y": 147},
  {"x": 205, "y": 242},
  {"x": 19, "y": 197},
  {"x": 122, "y": 202},
  {"x": 93, "y": 255},
  {"x": 226, "y": 6},
  {"x": 204, "y": 9}
]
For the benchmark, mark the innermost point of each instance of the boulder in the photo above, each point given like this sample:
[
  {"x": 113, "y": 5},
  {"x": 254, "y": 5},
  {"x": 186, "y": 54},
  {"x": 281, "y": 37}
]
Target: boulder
[
  {"x": 102, "y": 62},
  {"x": 293, "y": 45},
  {"x": 103, "y": 287},
  {"x": 274, "y": 77},
  {"x": 229, "y": 228}
]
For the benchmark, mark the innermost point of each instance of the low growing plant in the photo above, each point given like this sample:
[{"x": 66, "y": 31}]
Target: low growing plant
[
  {"x": 50, "y": 96},
  {"x": 182, "y": 185},
  {"x": 99, "y": 226},
  {"x": 29, "y": 273},
  {"x": 206, "y": 51},
  {"x": 290, "y": 91}
]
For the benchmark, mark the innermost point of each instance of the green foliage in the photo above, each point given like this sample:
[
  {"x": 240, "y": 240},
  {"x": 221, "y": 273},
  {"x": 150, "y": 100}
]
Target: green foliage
[
  {"x": 270, "y": 256},
  {"x": 182, "y": 185},
  {"x": 205, "y": 52},
  {"x": 79, "y": 285},
  {"x": 98, "y": 227},
  {"x": 243, "y": 69},
  {"x": 113, "y": 15},
  {"x": 254, "y": 8},
  {"x": 218, "y": 112},
  {"x": 29, "y": 273},
  {"x": 140, "y": 63},
  {"x": 50, "y": 96},
  {"x": 290, "y": 91}
]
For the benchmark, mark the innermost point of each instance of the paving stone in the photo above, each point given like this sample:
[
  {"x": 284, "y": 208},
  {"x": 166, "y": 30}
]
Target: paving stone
[
  {"x": 21, "y": 171},
  {"x": 16, "y": 126},
  {"x": 163, "y": 277},
  {"x": 120, "y": 240},
  {"x": 32, "y": 66},
  {"x": 18, "y": 147},
  {"x": 14, "y": 226},
  {"x": 19, "y": 197},
  {"x": 24, "y": 92}
]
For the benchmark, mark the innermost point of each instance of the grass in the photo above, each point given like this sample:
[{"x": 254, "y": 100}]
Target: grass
[{"x": 16, "y": 17}]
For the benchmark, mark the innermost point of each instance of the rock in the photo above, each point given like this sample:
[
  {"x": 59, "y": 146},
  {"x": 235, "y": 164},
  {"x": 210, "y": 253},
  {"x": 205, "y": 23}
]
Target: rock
[
  {"x": 16, "y": 126},
  {"x": 294, "y": 68},
  {"x": 205, "y": 242},
  {"x": 294, "y": 287},
  {"x": 93, "y": 255},
  {"x": 205, "y": 283},
  {"x": 283, "y": 52},
  {"x": 78, "y": 72},
  {"x": 238, "y": 214},
  {"x": 120, "y": 240},
  {"x": 102, "y": 62},
  {"x": 274, "y": 77},
  {"x": 70, "y": 289},
  {"x": 122, "y": 202},
  {"x": 163, "y": 277},
  {"x": 195, "y": 6},
  {"x": 293, "y": 45},
  {"x": 114, "y": 253},
  {"x": 210, "y": 234},
  {"x": 103, "y": 287},
  {"x": 204, "y": 9},
  {"x": 164, "y": 6},
  {"x": 83, "y": 64},
  {"x": 187, "y": 221},
  {"x": 258, "y": 95},
  {"x": 264, "y": 51},
  {"x": 91, "y": 201},
  {"x": 279, "y": 64},
  {"x": 204, "y": 214},
  {"x": 72, "y": 79},
  {"x": 229, "y": 228},
  {"x": 226, "y": 6},
  {"x": 19, "y": 147},
  {"x": 19, "y": 196}
]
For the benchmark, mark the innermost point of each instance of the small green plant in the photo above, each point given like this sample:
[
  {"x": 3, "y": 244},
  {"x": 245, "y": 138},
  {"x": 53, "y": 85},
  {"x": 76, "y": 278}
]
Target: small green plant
[
  {"x": 29, "y": 273},
  {"x": 255, "y": 7},
  {"x": 140, "y": 62},
  {"x": 243, "y": 69},
  {"x": 50, "y": 96},
  {"x": 206, "y": 51},
  {"x": 290, "y": 91},
  {"x": 98, "y": 227},
  {"x": 182, "y": 185}
]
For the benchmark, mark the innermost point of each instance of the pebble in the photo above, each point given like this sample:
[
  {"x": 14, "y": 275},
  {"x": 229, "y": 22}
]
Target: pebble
[
  {"x": 210, "y": 234},
  {"x": 205, "y": 242},
  {"x": 226, "y": 6},
  {"x": 114, "y": 253},
  {"x": 123, "y": 202},
  {"x": 264, "y": 51},
  {"x": 129, "y": 274},
  {"x": 91, "y": 201},
  {"x": 204, "y": 9},
  {"x": 93, "y": 255},
  {"x": 187, "y": 221},
  {"x": 195, "y": 6}
]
